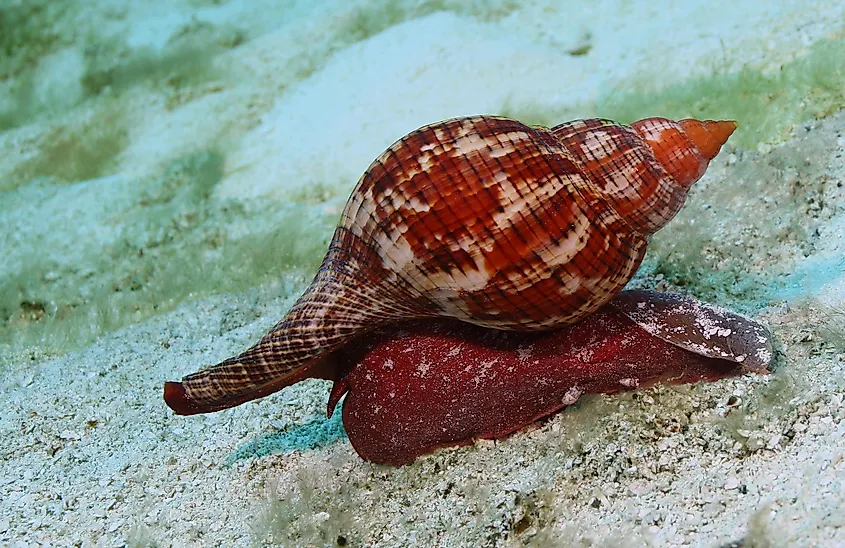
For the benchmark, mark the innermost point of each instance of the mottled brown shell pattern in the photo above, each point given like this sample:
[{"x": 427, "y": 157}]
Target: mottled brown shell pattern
[{"x": 483, "y": 219}]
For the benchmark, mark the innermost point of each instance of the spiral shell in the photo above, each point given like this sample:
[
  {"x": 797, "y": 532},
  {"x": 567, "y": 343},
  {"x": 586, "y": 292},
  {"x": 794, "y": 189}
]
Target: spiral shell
[{"x": 482, "y": 219}]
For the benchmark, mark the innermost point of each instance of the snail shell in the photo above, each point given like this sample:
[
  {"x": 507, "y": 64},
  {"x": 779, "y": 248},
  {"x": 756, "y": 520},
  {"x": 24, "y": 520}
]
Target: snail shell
[{"x": 482, "y": 219}]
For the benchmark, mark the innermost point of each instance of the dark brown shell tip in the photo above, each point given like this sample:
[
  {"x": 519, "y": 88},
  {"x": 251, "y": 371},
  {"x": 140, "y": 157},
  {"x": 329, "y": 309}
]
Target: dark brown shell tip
[{"x": 177, "y": 400}]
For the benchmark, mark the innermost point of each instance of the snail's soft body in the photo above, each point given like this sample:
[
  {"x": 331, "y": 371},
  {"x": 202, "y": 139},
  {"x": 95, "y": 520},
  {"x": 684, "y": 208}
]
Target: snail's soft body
[{"x": 482, "y": 219}]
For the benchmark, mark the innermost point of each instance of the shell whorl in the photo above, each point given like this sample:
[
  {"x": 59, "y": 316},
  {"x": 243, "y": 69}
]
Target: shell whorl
[{"x": 483, "y": 219}]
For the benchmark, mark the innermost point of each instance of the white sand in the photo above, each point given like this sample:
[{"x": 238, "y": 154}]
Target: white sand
[{"x": 91, "y": 456}]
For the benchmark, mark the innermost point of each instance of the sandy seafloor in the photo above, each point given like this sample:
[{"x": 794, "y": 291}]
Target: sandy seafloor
[{"x": 110, "y": 134}]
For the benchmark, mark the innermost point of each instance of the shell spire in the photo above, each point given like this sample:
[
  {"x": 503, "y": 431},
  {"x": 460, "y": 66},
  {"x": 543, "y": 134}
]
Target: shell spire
[
  {"x": 482, "y": 219},
  {"x": 709, "y": 135},
  {"x": 684, "y": 148}
]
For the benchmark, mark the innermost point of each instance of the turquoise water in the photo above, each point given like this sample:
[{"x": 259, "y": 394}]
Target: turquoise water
[{"x": 170, "y": 176}]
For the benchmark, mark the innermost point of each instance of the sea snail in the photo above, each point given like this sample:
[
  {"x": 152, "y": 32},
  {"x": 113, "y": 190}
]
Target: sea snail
[{"x": 482, "y": 219}]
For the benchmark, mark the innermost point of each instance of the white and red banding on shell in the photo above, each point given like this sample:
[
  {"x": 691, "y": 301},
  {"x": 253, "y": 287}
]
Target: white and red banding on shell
[{"x": 482, "y": 219}]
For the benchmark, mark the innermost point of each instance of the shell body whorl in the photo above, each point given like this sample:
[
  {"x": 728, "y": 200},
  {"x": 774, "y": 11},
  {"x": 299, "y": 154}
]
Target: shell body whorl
[{"x": 482, "y": 219}]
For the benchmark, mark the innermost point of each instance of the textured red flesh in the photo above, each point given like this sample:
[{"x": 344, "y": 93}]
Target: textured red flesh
[{"x": 418, "y": 386}]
